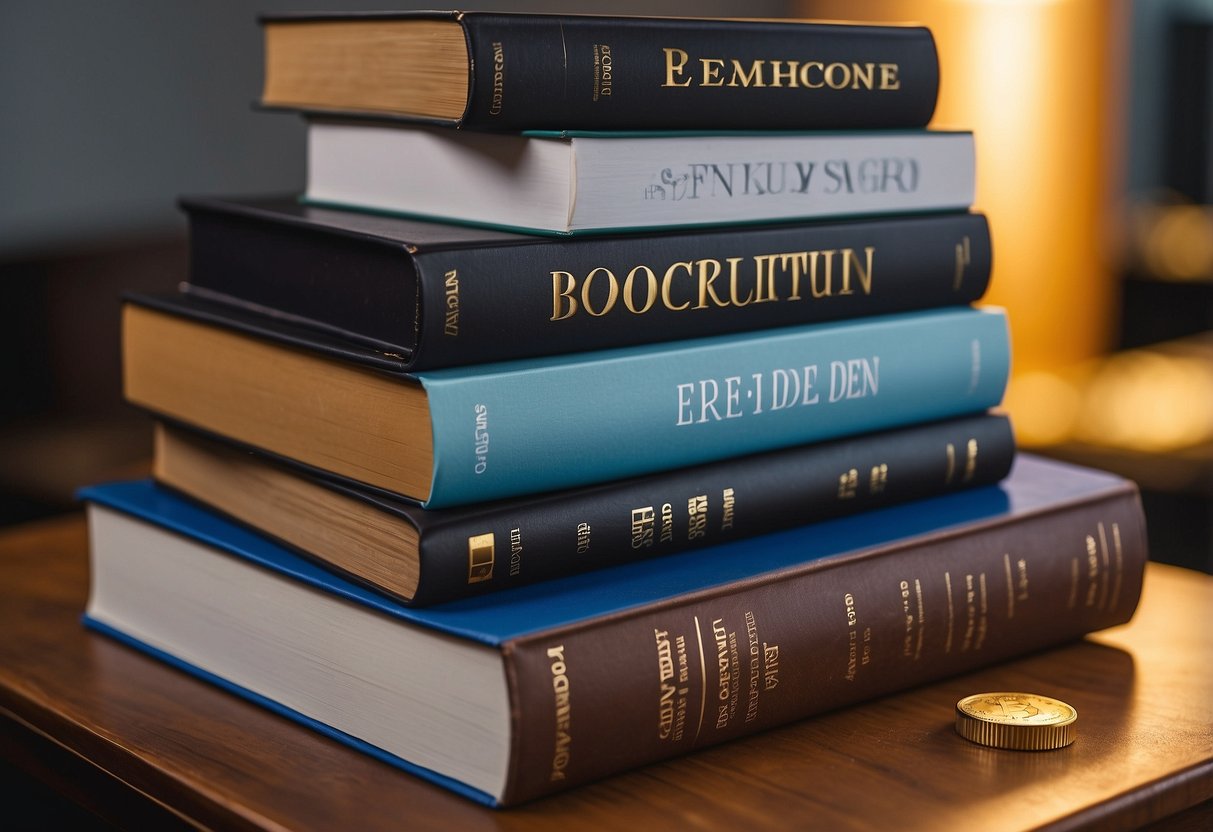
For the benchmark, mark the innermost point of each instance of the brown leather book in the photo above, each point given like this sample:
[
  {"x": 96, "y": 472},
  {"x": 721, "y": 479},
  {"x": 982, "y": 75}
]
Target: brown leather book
[{"x": 516, "y": 695}]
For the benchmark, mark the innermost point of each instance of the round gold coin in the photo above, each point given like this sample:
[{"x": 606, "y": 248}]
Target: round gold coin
[{"x": 1016, "y": 721}]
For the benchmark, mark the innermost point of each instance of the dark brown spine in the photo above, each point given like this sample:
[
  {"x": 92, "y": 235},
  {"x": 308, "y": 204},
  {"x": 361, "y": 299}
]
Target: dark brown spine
[{"x": 646, "y": 685}]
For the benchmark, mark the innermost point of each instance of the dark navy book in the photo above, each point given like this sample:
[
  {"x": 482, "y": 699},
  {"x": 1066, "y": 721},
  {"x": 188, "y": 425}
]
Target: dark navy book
[{"x": 434, "y": 294}]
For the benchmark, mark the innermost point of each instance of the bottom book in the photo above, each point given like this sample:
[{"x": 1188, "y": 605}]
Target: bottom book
[{"x": 511, "y": 696}]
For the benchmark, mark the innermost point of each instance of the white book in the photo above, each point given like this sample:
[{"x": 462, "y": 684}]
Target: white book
[{"x": 583, "y": 182}]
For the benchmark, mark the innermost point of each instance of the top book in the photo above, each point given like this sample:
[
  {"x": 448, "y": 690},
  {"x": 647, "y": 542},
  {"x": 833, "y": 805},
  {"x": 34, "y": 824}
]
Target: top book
[{"x": 515, "y": 72}]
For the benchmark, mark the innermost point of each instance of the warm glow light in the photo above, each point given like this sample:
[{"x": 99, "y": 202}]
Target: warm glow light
[
  {"x": 1039, "y": 85},
  {"x": 1150, "y": 400},
  {"x": 1046, "y": 407},
  {"x": 1175, "y": 241}
]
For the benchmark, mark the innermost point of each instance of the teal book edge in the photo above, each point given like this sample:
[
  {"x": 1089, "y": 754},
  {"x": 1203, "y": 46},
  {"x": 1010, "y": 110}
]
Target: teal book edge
[
  {"x": 687, "y": 134},
  {"x": 541, "y": 425},
  {"x": 303, "y": 199}
]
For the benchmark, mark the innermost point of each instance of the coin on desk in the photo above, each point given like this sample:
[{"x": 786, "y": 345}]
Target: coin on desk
[{"x": 1016, "y": 721}]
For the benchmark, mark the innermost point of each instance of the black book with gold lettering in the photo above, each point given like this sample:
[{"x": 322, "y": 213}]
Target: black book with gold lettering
[
  {"x": 423, "y": 556},
  {"x": 432, "y": 295},
  {"x": 527, "y": 71}
]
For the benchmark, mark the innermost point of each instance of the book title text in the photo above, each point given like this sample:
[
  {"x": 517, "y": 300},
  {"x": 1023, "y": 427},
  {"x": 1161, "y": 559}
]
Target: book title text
[
  {"x": 711, "y": 283},
  {"x": 714, "y": 400}
]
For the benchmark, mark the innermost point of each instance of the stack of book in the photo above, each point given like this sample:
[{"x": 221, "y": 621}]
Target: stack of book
[{"x": 479, "y": 359}]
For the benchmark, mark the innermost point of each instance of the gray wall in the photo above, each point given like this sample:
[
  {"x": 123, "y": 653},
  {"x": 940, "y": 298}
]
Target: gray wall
[{"x": 109, "y": 110}]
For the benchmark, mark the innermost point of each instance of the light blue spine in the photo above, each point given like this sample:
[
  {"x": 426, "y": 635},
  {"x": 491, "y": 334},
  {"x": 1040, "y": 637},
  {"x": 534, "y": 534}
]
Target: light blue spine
[{"x": 541, "y": 425}]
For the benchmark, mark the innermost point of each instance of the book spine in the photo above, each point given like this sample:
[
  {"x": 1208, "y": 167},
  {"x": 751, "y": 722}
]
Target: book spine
[
  {"x": 654, "y": 683},
  {"x": 498, "y": 303},
  {"x": 522, "y": 542},
  {"x": 444, "y": 308},
  {"x": 532, "y": 72},
  {"x": 526, "y": 427}
]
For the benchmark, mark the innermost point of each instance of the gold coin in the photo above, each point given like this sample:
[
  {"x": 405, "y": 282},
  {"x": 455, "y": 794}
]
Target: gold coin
[{"x": 1016, "y": 721}]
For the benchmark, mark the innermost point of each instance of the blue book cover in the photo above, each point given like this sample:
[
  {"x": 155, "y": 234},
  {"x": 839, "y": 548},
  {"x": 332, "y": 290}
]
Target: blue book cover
[
  {"x": 542, "y": 425},
  {"x": 593, "y": 674},
  {"x": 467, "y": 435}
]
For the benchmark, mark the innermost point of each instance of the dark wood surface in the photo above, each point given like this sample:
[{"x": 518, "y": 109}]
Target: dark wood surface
[{"x": 137, "y": 741}]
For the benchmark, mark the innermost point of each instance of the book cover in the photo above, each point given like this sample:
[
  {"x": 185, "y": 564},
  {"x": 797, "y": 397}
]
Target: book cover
[
  {"x": 515, "y": 71},
  {"x": 583, "y": 182},
  {"x": 578, "y": 678},
  {"x": 470, "y": 434},
  {"x": 426, "y": 556},
  {"x": 443, "y": 295}
]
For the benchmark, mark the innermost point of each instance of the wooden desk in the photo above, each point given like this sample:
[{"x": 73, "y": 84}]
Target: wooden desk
[{"x": 132, "y": 739}]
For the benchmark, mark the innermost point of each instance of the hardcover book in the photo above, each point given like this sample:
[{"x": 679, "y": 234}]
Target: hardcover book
[
  {"x": 470, "y": 434},
  {"x": 517, "y": 71},
  {"x": 448, "y": 295},
  {"x": 569, "y": 182},
  {"x": 425, "y": 556},
  {"x": 518, "y": 694}
]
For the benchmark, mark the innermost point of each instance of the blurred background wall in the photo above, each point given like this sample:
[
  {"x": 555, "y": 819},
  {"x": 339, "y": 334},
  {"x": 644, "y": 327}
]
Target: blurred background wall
[
  {"x": 1093, "y": 122},
  {"x": 108, "y": 112}
]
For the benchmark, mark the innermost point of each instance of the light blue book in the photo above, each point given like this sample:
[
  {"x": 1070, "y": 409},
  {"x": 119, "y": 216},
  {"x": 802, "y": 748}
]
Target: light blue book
[{"x": 469, "y": 434}]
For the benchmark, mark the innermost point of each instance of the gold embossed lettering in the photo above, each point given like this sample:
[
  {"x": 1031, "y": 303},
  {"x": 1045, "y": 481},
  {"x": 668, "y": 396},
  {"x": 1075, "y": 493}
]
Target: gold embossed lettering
[
  {"x": 863, "y": 272},
  {"x": 709, "y": 270},
  {"x": 612, "y": 292},
  {"x": 643, "y": 524},
  {"x": 665, "y": 673},
  {"x": 675, "y": 62},
  {"x": 733, "y": 296},
  {"x": 650, "y": 286},
  {"x": 878, "y": 479},
  {"x": 740, "y": 77},
  {"x": 863, "y": 76},
  {"x": 711, "y": 71},
  {"x": 779, "y": 74},
  {"x": 563, "y": 284},
  {"x": 888, "y": 77},
  {"x": 821, "y": 284},
  {"x": 838, "y": 76},
  {"x": 806, "y": 80},
  {"x": 697, "y": 517},
  {"x": 848, "y": 484},
  {"x": 665, "y": 285},
  {"x": 561, "y": 688},
  {"x": 770, "y": 665}
]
